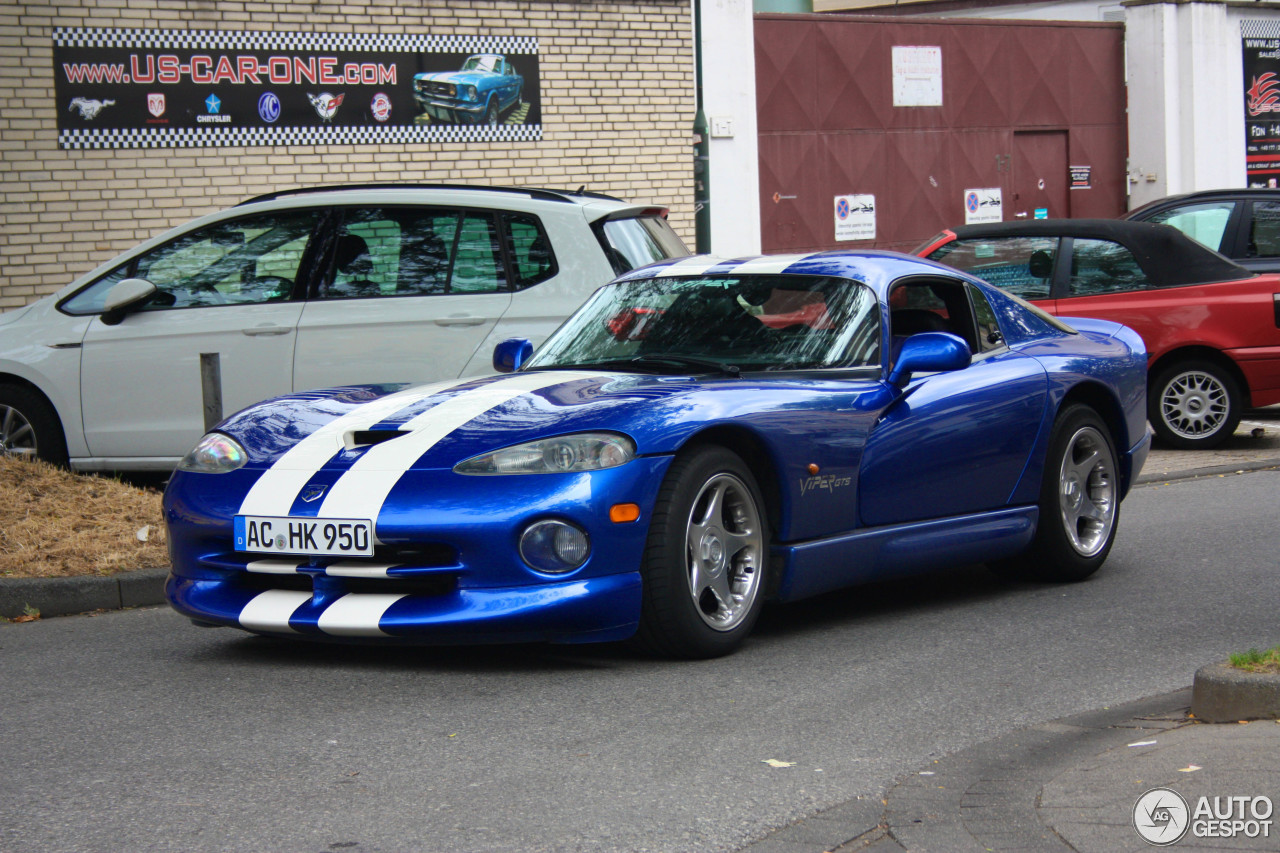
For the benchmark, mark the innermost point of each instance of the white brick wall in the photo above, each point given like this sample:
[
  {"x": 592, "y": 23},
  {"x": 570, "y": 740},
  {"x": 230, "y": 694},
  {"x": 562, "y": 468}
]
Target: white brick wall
[{"x": 617, "y": 116}]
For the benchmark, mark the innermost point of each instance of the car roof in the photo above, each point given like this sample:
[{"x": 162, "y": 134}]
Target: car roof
[
  {"x": 1167, "y": 256},
  {"x": 875, "y": 268},
  {"x": 1206, "y": 195},
  {"x": 579, "y": 196}
]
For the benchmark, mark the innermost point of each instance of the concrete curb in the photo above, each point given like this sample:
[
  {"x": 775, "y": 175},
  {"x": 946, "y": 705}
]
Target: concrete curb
[
  {"x": 61, "y": 596},
  {"x": 1211, "y": 471},
  {"x": 1224, "y": 694}
]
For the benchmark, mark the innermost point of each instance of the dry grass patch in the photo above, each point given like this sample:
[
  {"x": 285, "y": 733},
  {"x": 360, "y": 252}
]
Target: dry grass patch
[{"x": 54, "y": 523}]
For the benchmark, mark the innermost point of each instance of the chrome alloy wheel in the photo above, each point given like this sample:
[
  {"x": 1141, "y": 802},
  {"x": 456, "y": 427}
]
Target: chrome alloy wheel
[
  {"x": 1087, "y": 491},
  {"x": 17, "y": 437},
  {"x": 1194, "y": 404},
  {"x": 724, "y": 549}
]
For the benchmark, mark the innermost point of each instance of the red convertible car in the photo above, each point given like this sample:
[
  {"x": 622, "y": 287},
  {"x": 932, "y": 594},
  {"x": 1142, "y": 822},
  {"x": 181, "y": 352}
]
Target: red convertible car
[{"x": 1212, "y": 327}]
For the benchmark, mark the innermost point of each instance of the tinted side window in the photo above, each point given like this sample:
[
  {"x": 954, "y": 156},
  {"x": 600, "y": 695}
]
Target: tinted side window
[
  {"x": 1101, "y": 266},
  {"x": 530, "y": 250},
  {"x": 1021, "y": 265},
  {"x": 1205, "y": 223},
  {"x": 1264, "y": 232},
  {"x": 392, "y": 252},
  {"x": 477, "y": 267},
  {"x": 989, "y": 336},
  {"x": 242, "y": 261}
]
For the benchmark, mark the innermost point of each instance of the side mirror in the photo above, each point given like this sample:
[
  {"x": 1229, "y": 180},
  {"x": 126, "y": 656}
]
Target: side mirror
[
  {"x": 125, "y": 295},
  {"x": 930, "y": 352},
  {"x": 510, "y": 355}
]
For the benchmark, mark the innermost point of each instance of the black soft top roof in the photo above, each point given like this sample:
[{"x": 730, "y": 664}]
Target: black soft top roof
[{"x": 1167, "y": 256}]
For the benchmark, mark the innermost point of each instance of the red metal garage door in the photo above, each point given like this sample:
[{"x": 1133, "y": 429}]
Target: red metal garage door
[{"x": 1020, "y": 100}]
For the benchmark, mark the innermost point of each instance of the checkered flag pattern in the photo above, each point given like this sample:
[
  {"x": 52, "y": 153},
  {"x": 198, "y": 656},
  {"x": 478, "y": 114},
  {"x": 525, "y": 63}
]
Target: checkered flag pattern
[
  {"x": 301, "y": 42},
  {"x": 194, "y": 137},
  {"x": 1260, "y": 29}
]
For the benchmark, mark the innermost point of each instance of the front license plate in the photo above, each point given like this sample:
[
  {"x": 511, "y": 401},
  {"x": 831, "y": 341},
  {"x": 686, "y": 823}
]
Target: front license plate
[{"x": 341, "y": 537}]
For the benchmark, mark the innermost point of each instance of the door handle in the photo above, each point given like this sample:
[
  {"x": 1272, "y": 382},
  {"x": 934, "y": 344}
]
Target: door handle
[
  {"x": 459, "y": 320},
  {"x": 259, "y": 331}
]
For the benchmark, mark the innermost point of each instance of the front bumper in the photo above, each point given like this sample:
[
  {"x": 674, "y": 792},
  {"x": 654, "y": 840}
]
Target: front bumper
[
  {"x": 447, "y": 567},
  {"x": 455, "y": 112},
  {"x": 598, "y": 609}
]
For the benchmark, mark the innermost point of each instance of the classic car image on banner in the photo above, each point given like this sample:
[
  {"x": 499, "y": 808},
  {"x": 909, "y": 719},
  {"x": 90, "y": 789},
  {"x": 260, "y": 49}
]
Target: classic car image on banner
[{"x": 125, "y": 88}]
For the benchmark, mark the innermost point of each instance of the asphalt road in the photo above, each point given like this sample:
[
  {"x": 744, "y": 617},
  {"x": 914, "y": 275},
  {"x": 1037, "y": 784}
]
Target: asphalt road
[{"x": 135, "y": 730}]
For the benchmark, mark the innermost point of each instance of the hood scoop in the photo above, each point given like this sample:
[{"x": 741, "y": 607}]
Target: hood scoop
[{"x": 365, "y": 437}]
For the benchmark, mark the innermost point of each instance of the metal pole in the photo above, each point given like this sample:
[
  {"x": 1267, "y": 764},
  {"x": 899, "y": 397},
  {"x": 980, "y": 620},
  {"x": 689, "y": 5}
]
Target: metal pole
[
  {"x": 701, "y": 148},
  {"x": 211, "y": 388}
]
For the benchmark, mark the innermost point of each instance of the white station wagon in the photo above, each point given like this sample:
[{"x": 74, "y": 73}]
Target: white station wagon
[{"x": 296, "y": 290}]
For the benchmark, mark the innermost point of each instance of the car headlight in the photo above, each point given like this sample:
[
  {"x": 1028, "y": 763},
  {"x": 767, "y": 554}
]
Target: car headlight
[
  {"x": 469, "y": 92},
  {"x": 587, "y": 451},
  {"x": 216, "y": 453}
]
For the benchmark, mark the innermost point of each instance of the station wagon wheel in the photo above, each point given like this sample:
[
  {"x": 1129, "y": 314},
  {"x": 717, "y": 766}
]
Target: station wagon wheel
[
  {"x": 1194, "y": 405},
  {"x": 705, "y": 557},
  {"x": 1079, "y": 503},
  {"x": 29, "y": 426}
]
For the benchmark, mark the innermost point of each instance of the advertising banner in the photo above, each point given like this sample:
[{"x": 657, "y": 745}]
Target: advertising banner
[
  {"x": 1261, "y": 54},
  {"x": 123, "y": 88}
]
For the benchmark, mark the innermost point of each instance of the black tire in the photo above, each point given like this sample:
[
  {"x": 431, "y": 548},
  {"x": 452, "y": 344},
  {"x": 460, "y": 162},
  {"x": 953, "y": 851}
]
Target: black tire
[
  {"x": 29, "y": 426},
  {"x": 1079, "y": 503},
  {"x": 686, "y": 617},
  {"x": 1193, "y": 405},
  {"x": 492, "y": 115}
]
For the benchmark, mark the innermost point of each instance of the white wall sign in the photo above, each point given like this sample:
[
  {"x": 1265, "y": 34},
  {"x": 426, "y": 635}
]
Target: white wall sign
[
  {"x": 917, "y": 76},
  {"x": 855, "y": 217},
  {"x": 983, "y": 206}
]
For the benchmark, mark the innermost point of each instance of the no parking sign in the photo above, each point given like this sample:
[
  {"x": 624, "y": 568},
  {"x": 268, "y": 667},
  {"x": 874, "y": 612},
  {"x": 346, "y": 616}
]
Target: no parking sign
[
  {"x": 985, "y": 205},
  {"x": 855, "y": 217}
]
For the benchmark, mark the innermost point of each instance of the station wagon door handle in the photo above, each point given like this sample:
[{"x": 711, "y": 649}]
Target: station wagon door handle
[
  {"x": 460, "y": 320},
  {"x": 257, "y": 331}
]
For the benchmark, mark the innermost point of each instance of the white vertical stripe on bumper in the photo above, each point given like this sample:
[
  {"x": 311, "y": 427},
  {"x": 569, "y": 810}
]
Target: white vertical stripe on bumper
[
  {"x": 356, "y": 615},
  {"x": 270, "y": 610}
]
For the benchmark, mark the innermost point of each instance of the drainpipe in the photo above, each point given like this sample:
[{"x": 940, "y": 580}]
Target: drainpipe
[{"x": 701, "y": 148}]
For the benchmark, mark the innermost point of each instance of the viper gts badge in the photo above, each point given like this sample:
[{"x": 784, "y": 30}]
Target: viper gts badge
[{"x": 312, "y": 493}]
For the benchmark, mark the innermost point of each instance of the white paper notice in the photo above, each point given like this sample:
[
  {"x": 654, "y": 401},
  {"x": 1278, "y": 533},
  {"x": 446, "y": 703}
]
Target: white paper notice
[{"x": 917, "y": 76}]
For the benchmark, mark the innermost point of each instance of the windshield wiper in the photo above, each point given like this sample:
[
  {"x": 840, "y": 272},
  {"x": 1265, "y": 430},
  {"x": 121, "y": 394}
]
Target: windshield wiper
[
  {"x": 649, "y": 360},
  {"x": 688, "y": 361}
]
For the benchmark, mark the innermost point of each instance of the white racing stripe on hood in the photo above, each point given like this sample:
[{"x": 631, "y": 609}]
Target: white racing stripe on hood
[
  {"x": 274, "y": 492},
  {"x": 771, "y": 264},
  {"x": 361, "y": 491}
]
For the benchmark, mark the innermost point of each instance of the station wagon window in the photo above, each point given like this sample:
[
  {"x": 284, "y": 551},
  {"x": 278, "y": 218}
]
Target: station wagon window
[
  {"x": 1205, "y": 223},
  {"x": 1101, "y": 266},
  {"x": 1021, "y": 265},
  {"x": 237, "y": 262},
  {"x": 1264, "y": 232},
  {"x": 414, "y": 252},
  {"x": 529, "y": 248},
  {"x": 636, "y": 241}
]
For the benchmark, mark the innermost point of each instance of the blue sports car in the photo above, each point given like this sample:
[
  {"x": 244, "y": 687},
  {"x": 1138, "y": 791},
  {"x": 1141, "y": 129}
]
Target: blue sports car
[
  {"x": 486, "y": 87},
  {"x": 701, "y": 436}
]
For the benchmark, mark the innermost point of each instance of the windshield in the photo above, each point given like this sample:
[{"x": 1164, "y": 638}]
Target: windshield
[
  {"x": 481, "y": 63},
  {"x": 768, "y": 322}
]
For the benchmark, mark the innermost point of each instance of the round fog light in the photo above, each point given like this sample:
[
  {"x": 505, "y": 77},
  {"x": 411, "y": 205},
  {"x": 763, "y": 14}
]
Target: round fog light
[{"x": 554, "y": 546}]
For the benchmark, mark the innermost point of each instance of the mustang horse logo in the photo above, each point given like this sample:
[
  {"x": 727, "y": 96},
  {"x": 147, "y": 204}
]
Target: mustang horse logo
[{"x": 89, "y": 109}]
